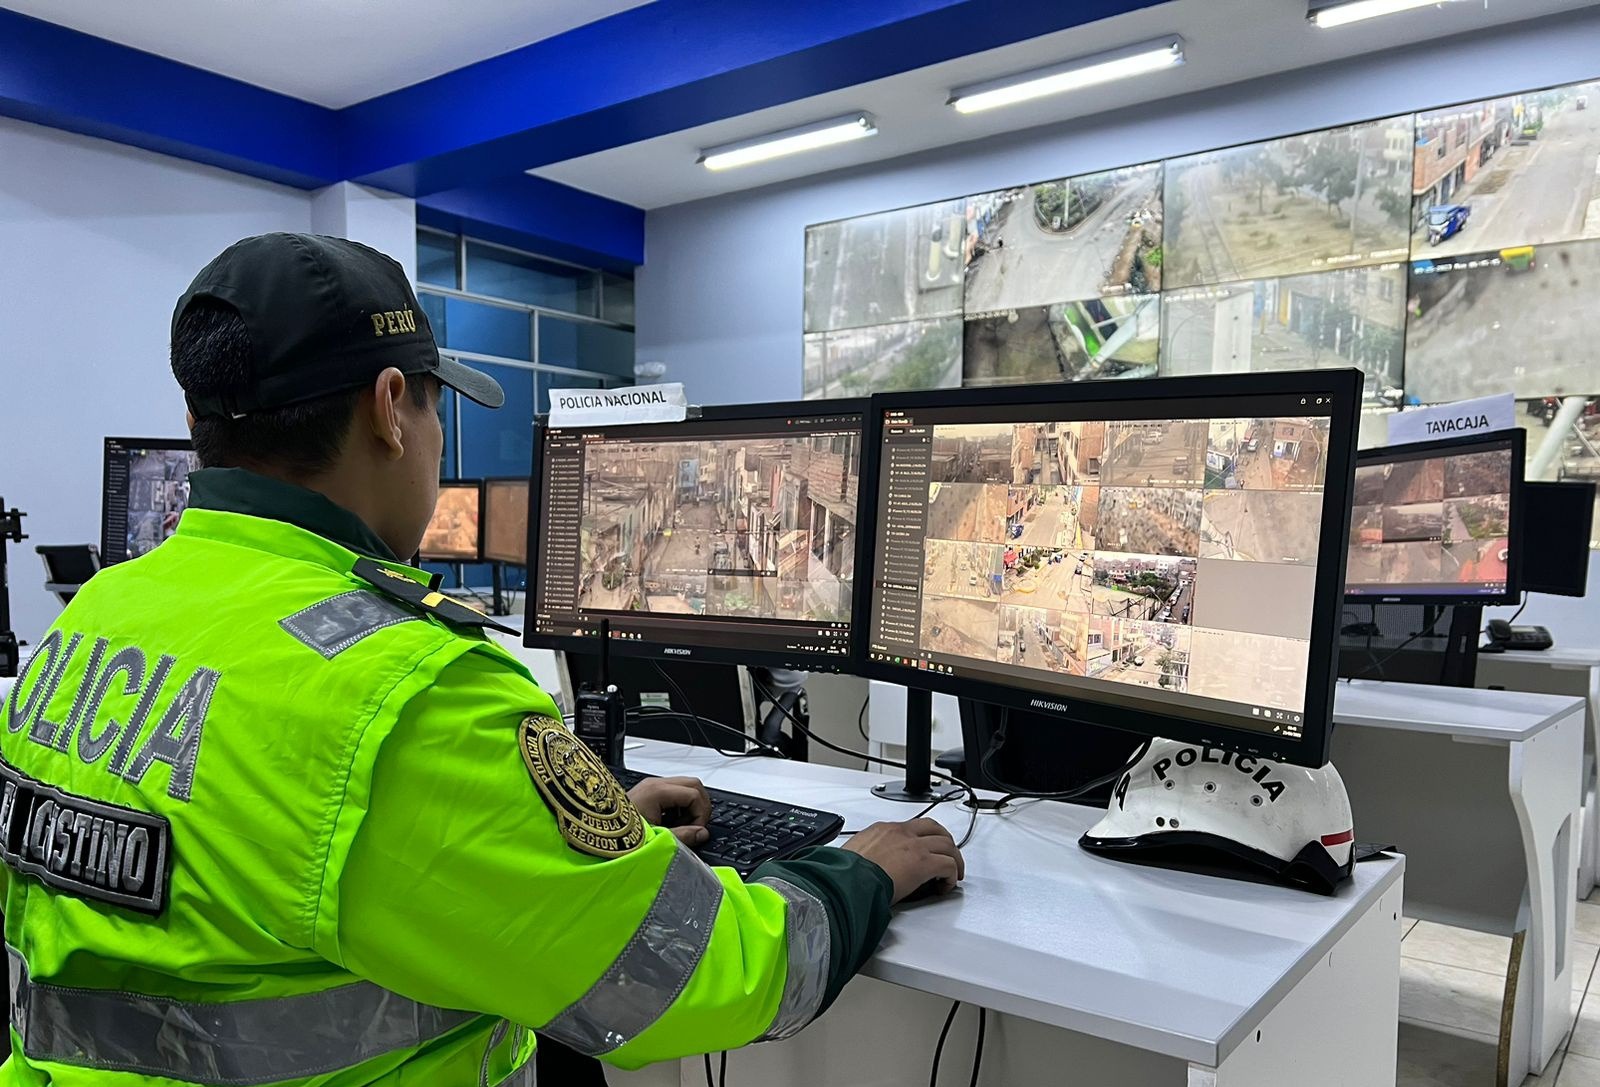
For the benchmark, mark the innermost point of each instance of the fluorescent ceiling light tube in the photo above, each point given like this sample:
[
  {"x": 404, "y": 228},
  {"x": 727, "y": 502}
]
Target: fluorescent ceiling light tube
[
  {"x": 854, "y": 126},
  {"x": 1353, "y": 11},
  {"x": 1150, "y": 56}
]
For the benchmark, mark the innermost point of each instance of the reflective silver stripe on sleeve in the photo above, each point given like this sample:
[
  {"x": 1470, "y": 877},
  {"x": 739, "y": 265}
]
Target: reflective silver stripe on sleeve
[
  {"x": 237, "y": 1044},
  {"x": 653, "y": 968},
  {"x": 810, "y": 949},
  {"x": 333, "y": 625}
]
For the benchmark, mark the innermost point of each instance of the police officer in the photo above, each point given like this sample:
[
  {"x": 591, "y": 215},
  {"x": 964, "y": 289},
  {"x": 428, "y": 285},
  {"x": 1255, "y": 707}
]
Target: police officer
[{"x": 276, "y": 811}]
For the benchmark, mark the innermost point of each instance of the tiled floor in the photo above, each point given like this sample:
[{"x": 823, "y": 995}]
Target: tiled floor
[{"x": 1451, "y": 985}]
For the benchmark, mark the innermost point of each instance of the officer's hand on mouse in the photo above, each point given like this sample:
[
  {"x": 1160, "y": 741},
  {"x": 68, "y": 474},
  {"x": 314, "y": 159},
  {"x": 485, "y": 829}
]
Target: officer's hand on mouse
[
  {"x": 680, "y": 804},
  {"x": 913, "y": 853}
]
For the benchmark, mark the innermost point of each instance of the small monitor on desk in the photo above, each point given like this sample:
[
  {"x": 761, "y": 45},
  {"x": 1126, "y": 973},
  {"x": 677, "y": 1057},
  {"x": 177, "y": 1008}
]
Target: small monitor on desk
[
  {"x": 730, "y": 537},
  {"x": 1557, "y": 522},
  {"x": 505, "y": 521},
  {"x": 1438, "y": 522},
  {"x": 1159, "y": 556},
  {"x": 145, "y": 489},
  {"x": 454, "y": 534}
]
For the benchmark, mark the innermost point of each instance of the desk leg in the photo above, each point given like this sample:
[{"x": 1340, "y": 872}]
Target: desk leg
[
  {"x": 1546, "y": 787},
  {"x": 1338, "y": 1027}
]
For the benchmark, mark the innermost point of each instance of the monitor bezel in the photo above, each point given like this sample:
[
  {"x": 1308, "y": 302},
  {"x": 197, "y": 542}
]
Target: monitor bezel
[
  {"x": 441, "y": 557},
  {"x": 1465, "y": 443},
  {"x": 1578, "y": 488},
  {"x": 686, "y": 651},
  {"x": 180, "y": 445},
  {"x": 1311, "y": 749},
  {"x": 484, "y": 519}
]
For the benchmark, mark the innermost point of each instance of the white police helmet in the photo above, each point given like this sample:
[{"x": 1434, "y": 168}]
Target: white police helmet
[{"x": 1189, "y": 802}]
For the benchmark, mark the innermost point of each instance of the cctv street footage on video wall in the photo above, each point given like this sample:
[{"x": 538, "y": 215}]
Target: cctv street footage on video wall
[{"x": 1448, "y": 254}]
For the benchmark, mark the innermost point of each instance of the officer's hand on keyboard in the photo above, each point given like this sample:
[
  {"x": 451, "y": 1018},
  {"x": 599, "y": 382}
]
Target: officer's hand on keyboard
[
  {"x": 919, "y": 856},
  {"x": 680, "y": 804}
]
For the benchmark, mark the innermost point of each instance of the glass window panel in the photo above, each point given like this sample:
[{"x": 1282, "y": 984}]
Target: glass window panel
[
  {"x": 616, "y": 298},
  {"x": 463, "y": 325},
  {"x": 436, "y": 259},
  {"x": 584, "y": 346},
  {"x": 447, "y": 419},
  {"x": 501, "y": 273},
  {"x": 500, "y": 442}
]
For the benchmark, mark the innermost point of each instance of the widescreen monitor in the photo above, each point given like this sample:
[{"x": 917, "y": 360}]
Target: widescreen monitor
[
  {"x": 1159, "y": 556},
  {"x": 505, "y": 521},
  {"x": 454, "y": 534},
  {"x": 1557, "y": 519},
  {"x": 729, "y": 537},
  {"x": 145, "y": 489},
  {"x": 1437, "y": 522}
]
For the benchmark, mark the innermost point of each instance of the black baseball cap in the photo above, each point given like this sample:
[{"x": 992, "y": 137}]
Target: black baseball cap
[{"x": 324, "y": 315}]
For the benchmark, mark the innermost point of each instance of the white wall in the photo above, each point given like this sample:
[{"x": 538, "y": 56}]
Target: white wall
[
  {"x": 97, "y": 241},
  {"x": 719, "y": 296}
]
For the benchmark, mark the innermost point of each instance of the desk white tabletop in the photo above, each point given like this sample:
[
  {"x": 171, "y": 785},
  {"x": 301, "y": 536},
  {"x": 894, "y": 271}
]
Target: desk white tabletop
[
  {"x": 1180, "y": 964},
  {"x": 1557, "y": 656},
  {"x": 1505, "y": 716}
]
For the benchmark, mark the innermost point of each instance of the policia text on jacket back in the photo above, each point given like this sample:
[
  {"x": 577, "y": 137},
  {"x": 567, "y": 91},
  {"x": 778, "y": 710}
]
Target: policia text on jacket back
[{"x": 275, "y": 811}]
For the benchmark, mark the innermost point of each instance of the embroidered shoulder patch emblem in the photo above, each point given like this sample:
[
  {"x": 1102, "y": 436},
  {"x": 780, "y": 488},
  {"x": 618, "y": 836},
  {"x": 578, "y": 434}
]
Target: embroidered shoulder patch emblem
[{"x": 593, "y": 812}]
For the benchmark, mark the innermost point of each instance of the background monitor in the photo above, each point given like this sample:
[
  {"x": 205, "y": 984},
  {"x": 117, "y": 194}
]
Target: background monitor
[
  {"x": 1159, "y": 556},
  {"x": 505, "y": 521},
  {"x": 145, "y": 490},
  {"x": 1437, "y": 522},
  {"x": 730, "y": 537},
  {"x": 1557, "y": 520},
  {"x": 454, "y": 533}
]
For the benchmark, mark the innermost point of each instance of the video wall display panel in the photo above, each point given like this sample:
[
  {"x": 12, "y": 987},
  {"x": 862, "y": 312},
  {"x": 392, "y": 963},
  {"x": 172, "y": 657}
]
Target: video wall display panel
[
  {"x": 1510, "y": 319},
  {"x": 1306, "y": 203},
  {"x": 1115, "y": 337},
  {"x": 1448, "y": 254},
  {"x": 1349, "y": 317},
  {"x": 1519, "y": 170},
  {"x": 1077, "y": 237}
]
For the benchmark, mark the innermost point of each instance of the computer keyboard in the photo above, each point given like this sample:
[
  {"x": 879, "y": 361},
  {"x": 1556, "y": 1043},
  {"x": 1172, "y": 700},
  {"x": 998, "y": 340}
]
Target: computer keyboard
[{"x": 748, "y": 831}]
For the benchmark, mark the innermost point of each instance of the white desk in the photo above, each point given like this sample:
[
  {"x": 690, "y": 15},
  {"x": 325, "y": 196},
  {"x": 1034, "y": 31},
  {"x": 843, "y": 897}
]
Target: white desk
[
  {"x": 1480, "y": 789},
  {"x": 1568, "y": 670},
  {"x": 1125, "y": 974}
]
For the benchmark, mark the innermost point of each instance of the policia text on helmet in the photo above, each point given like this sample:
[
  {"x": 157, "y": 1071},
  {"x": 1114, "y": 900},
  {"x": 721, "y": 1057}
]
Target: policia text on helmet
[{"x": 275, "y": 809}]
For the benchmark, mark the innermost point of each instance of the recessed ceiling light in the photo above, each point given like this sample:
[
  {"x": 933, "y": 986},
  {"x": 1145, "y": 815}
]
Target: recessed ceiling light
[
  {"x": 790, "y": 141},
  {"x": 1342, "y": 12},
  {"x": 1150, "y": 56}
]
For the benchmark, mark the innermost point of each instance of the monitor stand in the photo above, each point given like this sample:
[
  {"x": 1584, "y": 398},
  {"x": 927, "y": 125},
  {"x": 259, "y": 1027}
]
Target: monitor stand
[
  {"x": 10, "y": 532},
  {"x": 918, "y": 786},
  {"x": 1413, "y": 644}
]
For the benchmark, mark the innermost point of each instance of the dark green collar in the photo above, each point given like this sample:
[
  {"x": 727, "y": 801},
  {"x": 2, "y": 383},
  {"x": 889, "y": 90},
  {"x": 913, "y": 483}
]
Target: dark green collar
[{"x": 238, "y": 490}]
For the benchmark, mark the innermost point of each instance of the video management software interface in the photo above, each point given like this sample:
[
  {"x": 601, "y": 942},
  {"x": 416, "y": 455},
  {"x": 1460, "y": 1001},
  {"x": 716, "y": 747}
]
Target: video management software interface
[
  {"x": 146, "y": 491},
  {"x": 1169, "y": 560},
  {"x": 733, "y": 533},
  {"x": 1432, "y": 523}
]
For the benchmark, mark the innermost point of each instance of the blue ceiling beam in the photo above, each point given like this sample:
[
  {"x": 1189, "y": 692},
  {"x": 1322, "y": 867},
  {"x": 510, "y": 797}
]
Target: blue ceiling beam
[
  {"x": 533, "y": 213},
  {"x": 50, "y": 75},
  {"x": 664, "y": 67}
]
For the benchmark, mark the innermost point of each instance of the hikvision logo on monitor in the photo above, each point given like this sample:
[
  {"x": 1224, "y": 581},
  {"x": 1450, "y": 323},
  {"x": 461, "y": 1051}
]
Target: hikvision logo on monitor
[
  {"x": 677, "y": 652},
  {"x": 1041, "y": 704}
]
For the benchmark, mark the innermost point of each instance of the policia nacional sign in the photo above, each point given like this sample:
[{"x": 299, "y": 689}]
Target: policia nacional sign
[
  {"x": 83, "y": 847},
  {"x": 594, "y": 814}
]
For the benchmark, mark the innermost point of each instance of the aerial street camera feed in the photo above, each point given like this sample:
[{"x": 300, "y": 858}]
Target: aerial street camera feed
[
  {"x": 894, "y": 269},
  {"x": 1306, "y": 203},
  {"x": 1512, "y": 171},
  {"x": 1350, "y": 317},
  {"x": 1432, "y": 521},
  {"x": 158, "y": 493},
  {"x": 1167, "y": 553},
  {"x": 884, "y": 358},
  {"x": 1116, "y": 337},
  {"x": 753, "y": 528},
  {"x": 453, "y": 529},
  {"x": 1080, "y": 237},
  {"x": 1481, "y": 320}
]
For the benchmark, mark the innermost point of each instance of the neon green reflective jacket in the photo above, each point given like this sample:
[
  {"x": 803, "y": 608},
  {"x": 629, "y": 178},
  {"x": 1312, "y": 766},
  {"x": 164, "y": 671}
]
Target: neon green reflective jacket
[{"x": 265, "y": 822}]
